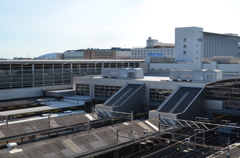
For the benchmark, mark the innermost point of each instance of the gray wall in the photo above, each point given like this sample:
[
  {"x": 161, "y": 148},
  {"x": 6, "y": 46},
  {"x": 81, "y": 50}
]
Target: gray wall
[
  {"x": 217, "y": 45},
  {"x": 196, "y": 109},
  {"x": 134, "y": 103},
  {"x": 17, "y": 93}
]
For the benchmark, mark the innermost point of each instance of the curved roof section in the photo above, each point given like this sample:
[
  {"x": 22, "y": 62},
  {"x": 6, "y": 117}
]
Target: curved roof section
[
  {"x": 49, "y": 55},
  {"x": 223, "y": 80}
]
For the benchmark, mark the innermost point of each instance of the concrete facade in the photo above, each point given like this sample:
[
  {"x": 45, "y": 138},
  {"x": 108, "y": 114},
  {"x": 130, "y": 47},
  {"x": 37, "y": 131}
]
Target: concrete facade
[
  {"x": 113, "y": 53},
  {"x": 149, "y": 81}
]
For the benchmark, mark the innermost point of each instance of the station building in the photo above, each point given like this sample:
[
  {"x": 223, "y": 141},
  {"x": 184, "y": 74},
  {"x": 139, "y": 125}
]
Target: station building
[
  {"x": 183, "y": 96},
  {"x": 30, "y": 78}
]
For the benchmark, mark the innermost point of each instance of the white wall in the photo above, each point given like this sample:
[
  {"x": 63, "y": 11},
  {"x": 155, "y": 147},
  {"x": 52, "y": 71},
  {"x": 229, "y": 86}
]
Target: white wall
[
  {"x": 164, "y": 66},
  {"x": 16, "y": 93},
  {"x": 121, "y": 82},
  {"x": 193, "y": 44},
  {"x": 142, "y": 52}
]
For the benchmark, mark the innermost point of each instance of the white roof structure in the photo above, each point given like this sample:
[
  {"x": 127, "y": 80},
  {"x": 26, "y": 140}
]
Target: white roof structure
[{"x": 53, "y": 105}]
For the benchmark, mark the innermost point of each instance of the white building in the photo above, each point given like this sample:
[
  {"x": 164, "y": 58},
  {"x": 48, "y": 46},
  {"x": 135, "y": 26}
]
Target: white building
[
  {"x": 164, "y": 50},
  {"x": 73, "y": 54},
  {"x": 197, "y": 49},
  {"x": 51, "y": 56}
]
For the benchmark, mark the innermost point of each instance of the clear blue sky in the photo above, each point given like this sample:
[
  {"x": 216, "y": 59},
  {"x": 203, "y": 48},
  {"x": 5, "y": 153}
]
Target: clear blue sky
[{"x": 37, "y": 27}]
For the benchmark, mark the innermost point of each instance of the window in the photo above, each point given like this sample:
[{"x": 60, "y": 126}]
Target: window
[
  {"x": 196, "y": 58},
  {"x": 197, "y": 45},
  {"x": 209, "y": 76},
  {"x": 184, "y": 52},
  {"x": 197, "y": 52},
  {"x": 184, "y": 46},
  {"x": 184, "y": 40}
]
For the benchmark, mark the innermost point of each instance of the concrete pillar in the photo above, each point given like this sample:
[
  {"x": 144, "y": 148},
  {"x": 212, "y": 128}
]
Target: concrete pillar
[
  {"x": 79, "y": 67},
  {"x": 62, "y": 74},
  {"x": 33, "y": 76},
  {"x": 95, "y": 68},
  {"x": 53, "y": 74},
  {"x": 43, "y": 74},
  {"x": 238, "y": 69},
  {"x": 22, "y": 73},
  {"x": 10, "y": 72},
  {"x": 116, "y": 154},
  {"x": 71, "y": 70}
]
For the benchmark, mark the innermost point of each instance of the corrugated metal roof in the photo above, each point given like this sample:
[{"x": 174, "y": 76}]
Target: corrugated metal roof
[
  {"x": 53, "y": 105},
  {"x": 82, "y": 143},
  {"x": 41, "y": 125}
]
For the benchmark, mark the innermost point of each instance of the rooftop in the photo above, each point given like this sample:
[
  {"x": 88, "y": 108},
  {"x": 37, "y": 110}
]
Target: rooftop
[
  {"x": 69, "y": 61},
  {"x": 53, "y": 105}
]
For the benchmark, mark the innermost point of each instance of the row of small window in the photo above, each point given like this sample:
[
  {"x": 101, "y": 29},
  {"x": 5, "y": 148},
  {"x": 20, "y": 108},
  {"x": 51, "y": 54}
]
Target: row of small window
[
  {"x": 103, "y": 52},
  {"x": 185, "y": 46},
  {"x": 145, "y": 53},
  {"x": 141, "y": 57},
  {"x": 158, "y": 50},
  {"x": 103, "y": 55},
  {"x": 198, "y": 39},
  {"x": 185, "y": 52}
]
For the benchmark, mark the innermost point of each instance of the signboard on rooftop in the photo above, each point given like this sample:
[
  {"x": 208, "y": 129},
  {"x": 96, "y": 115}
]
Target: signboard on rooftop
[{"x": 158, "y": 55}]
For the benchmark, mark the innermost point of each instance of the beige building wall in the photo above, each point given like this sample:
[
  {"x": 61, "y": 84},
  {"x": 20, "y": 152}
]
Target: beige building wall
[{"x": 100, "y": 54}]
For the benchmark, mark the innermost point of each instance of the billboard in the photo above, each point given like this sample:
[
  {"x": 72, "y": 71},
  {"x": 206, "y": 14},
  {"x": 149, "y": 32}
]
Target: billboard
[{"x": 159, "y": 55}]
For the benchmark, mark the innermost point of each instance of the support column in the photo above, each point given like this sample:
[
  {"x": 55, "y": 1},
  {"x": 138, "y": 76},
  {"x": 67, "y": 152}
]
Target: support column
[
  {"x": 79, "y": 67},
  {"x": 95, "y": 69},
  {"x": 62, "y": 74},
  {"x": 71, "y": 70},
  {"x": 116, "y": 154},
  {"x": 43, "y": 74},
  {"x": 53, "y": 74},
  {"x": 22, "y": 73},
  {"x": 10, "y": 73},
  {"x": 33, "y": 76}
]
